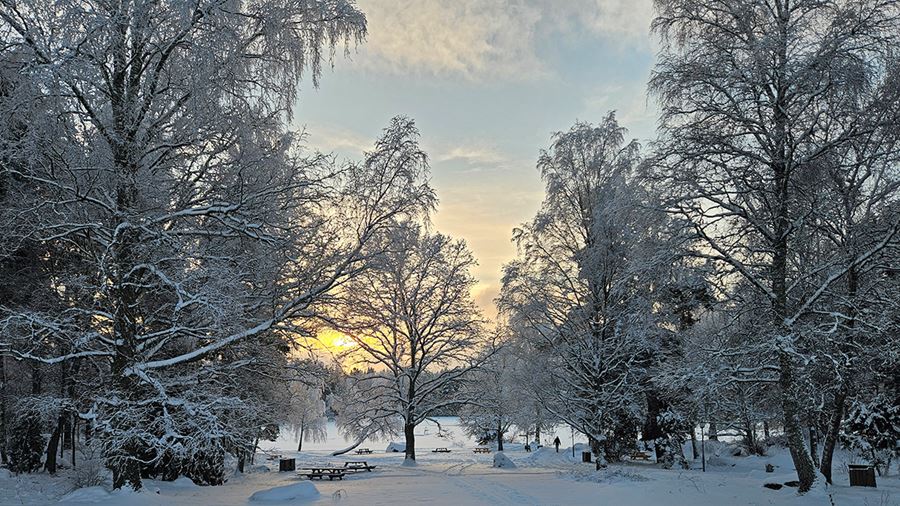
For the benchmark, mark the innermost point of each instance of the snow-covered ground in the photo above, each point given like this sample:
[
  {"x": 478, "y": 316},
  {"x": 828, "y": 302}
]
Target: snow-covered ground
[{"x": 464, "y": 478}]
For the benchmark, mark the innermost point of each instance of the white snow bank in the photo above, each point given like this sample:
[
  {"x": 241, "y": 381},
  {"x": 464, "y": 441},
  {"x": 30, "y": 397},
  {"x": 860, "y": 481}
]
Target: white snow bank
[
  {"x": 301, "y": 491},
  {"x": 609, "y": 475},
  {"x": 184, "y": 482},
  {"x": 395, "y": 447},
  {"x": 5, "y": 474},
  {"x": 501, "y": 460},
  {"x": 86, "y": 495}
]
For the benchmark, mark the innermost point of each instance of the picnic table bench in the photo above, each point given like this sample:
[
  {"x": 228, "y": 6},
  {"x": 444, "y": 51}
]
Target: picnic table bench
[
  {"x": 363, "y": 451},
  {"x": 482, "y": 449},
  {"x": 440, "y": 450},
  {"x": 325, "y": 472},
  {"x": 358, "y": 465},
  {"x": 639, "y": 456}
]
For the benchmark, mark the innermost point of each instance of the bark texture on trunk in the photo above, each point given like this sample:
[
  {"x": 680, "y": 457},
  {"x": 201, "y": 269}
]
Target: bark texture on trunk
[
  {"x": 53, "y": 447},
  {"x": 409, "y": 432}
]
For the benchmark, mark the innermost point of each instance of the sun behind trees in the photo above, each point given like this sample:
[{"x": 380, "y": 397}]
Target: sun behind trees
[
  {"x": 418, "y": 334},
  {"x": 171, "y": 249},
  {"x": 175, "y": 234}
]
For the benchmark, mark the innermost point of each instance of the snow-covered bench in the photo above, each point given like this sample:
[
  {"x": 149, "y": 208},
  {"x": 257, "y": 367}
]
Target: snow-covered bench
[
  {"x": 441, "y": 450},
  {"x": 358, "y": 465},
  {"x": 331, "y": 473},
  {"x": 482, "y": 449}
]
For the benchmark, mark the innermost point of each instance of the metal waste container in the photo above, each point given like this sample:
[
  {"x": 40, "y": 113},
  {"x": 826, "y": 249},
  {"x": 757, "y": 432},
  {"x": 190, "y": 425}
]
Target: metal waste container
[
  {"x": 862, "y": 475},
  {"x": 287, "y": 465},
  {"x": 586, "y": 457}
]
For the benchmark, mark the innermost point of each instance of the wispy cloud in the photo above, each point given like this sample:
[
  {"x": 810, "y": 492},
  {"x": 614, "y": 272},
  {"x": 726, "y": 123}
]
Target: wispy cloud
[
  {"x": 342, "y": 141},
  {"x": 473, "y": 154},
  {"x": 489, "y": 39}
]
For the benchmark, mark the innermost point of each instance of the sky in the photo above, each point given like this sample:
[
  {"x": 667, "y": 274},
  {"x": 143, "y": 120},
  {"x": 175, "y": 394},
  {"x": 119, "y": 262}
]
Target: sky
[{"x": 487, "y": 82}]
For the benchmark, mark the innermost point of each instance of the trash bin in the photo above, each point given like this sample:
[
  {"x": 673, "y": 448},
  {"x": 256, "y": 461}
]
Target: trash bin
[
  {"x": 586, "y": 457},
  {"x": 862, "y": 475},
  {"x": 287, "y": 465}
]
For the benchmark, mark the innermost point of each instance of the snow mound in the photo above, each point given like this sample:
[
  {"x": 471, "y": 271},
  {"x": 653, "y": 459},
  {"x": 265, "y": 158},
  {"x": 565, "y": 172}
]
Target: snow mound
[
  {"x": 409, "y": 463},
  {"x": 502, "y": 461},
  {"x": 184, "y": 482},
  {"x": 610, "y": 475},
  {"x": 395, "y": 447},
  {"x": 86, "y": 495},
  {"x": 547, "y": 456},
  {"x": 301, "y": 491},
  {"x": 5, "y": 474}
]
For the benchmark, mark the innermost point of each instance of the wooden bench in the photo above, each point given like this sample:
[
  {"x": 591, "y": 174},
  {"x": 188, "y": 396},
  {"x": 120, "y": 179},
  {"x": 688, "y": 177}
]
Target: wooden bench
[
  {"x": 639, "y": 456},
  {"x": 358, "y": 465},
  {"x": 482, "y": 449},
  {"x": 440, "y": 450},
  {"x": 363, "y": 451},
  {"x": 331, "y": 473}
]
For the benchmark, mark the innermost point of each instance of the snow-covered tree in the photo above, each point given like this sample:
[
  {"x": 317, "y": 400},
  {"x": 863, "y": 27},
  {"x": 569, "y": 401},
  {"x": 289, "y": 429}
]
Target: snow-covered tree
[
  {"x": 754, "y": 98},
  {"x": 195, "y": 228},
  {"x": 584, "y": 286},
  {"x": 495, "y": 398},
  {"x": 307, "y": 413},
  {"x": 416, "y": 327}
]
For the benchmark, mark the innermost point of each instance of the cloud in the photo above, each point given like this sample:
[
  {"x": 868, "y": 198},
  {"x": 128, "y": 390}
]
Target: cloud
[
  {"x": 489, "y": 39},
  {"x": 473, "y": 154},
  {"x": 327, "y": 139}
]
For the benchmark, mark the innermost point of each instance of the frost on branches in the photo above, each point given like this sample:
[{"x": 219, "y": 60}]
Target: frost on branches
[{"x": 179, "y": 231}]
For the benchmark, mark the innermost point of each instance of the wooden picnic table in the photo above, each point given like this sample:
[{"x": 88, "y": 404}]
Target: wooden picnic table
[
  {"x": 363, "y": 451},
  {"x": 639, "y": 456},
  {"x": 358, "y": 465},
  {"x": 440, "y": 450},
  {"x": 482, "y": 449},
  {"x": 325, "y": 472}
]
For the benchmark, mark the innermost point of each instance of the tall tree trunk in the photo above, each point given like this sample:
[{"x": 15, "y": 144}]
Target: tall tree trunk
[
  {"x": 766, "y": 433},
  {"x": 74, "y": 438},
  {"x": 693, "y": 441},
  {"x": 651, "y": 430},
  {"x": 838, "y": 403},
  {"x": 3, "y": 420},
  {"x": 781, "y": 165},
  {"x": 713, "y": 432},
  {"x": 409, "y": 432},
  {"x": 53, "y": 447},
  {"x": 832, "y": 432},
  {"x": 499, "y": 436},
  {"x": 300, "y": 442},
  {"x": 813, "y": 444}
]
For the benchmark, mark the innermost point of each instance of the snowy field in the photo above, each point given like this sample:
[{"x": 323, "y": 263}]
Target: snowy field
[{"x": 464, "y": 478}]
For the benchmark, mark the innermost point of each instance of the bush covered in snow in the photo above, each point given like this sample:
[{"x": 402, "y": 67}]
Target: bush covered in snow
[{"x": 26, "y": 443}]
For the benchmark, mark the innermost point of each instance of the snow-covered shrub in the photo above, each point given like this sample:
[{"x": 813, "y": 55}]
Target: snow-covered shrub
[
  {"x": 26, "y": 442},
  {"x": 872, "y": 429},
  {"x": 673, "y": 423},
  {"x": 90, "y": 471}
]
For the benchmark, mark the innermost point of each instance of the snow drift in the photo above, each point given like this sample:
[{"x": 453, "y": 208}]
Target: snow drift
[
  {"x": 302, "y": 491},
  {"x": 502, "y": 461}
]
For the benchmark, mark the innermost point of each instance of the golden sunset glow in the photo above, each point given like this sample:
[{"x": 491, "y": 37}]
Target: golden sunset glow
[{"x": 334, "y": 341}]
